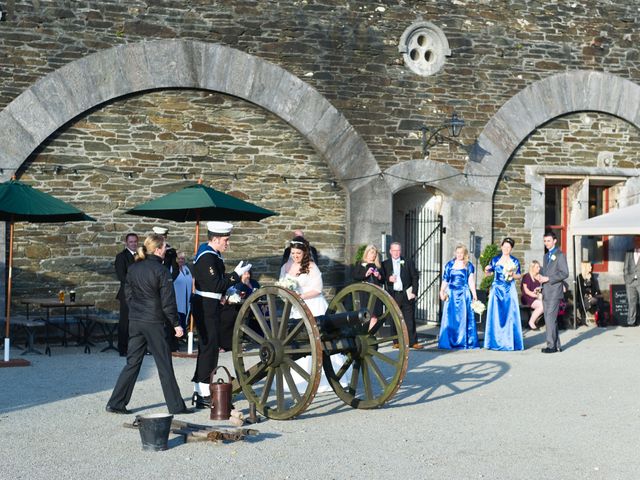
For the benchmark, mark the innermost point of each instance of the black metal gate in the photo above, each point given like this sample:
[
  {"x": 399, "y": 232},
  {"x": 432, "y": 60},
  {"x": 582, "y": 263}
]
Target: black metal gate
[{"x": 423, "y": 243}]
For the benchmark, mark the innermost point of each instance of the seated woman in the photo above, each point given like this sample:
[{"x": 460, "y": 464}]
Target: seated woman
[
  {"x": 532, "y": 293},
  {"x": 233, "y": 299},
  {"x": 589, "y": 295},
  {"x": 370, "y": 271}
]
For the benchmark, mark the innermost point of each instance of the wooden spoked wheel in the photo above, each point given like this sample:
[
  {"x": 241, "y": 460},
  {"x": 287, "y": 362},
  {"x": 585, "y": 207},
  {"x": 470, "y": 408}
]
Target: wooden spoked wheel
[
  {"x": 371, "y": 372},
  {"x": 277, "y": 353}
]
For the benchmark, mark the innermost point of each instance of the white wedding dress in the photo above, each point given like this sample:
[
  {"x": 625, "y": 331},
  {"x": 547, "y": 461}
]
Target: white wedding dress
[{"x": 308, "y": 282}]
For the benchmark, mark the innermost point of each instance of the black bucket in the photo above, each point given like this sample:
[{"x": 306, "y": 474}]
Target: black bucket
[{"x": 154, "y": 430}]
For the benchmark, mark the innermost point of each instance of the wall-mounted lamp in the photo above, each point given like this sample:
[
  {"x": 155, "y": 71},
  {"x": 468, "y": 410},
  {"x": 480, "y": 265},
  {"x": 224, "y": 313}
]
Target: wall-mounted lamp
[{"x": 433, "y": 136}]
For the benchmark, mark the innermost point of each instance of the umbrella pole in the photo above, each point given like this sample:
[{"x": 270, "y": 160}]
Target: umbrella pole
[
  {"x": 195, "y": 250},
  {"x": 7, "y": 340}
]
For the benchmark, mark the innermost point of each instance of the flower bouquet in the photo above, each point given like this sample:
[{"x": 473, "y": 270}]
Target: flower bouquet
[
  {"x": 235, "y": 298},
  {"x": 289, "y": 283},
  {"x": 478, "y": 307},
  {"x": 509, "y": 270}
]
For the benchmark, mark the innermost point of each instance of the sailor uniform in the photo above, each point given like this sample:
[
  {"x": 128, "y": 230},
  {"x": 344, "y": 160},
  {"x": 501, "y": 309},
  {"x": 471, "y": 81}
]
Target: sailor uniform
[{"x": 211, "y": 282}]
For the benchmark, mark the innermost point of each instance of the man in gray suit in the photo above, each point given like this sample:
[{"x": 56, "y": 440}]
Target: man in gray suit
[
  {"x": 554, "y": 271},
  {"x": 632, "y": 281}
]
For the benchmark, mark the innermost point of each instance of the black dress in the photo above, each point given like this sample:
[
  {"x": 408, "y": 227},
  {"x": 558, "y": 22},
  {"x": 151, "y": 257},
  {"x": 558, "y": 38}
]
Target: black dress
[{"x": 590, "y": 298}]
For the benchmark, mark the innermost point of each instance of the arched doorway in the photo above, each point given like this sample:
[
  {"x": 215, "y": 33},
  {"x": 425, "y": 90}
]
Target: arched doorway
[{"x": 417, "y": 225}]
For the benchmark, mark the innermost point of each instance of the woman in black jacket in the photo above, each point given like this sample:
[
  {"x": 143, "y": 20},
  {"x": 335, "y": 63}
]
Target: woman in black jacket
[
  {"x": 370, "y": 271},
  {"x": 152, "y": 305}
]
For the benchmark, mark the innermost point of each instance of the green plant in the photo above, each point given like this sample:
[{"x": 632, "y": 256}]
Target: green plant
[
  {"x": 359, "y": 253},
  {"x": 488, "y": 253}
]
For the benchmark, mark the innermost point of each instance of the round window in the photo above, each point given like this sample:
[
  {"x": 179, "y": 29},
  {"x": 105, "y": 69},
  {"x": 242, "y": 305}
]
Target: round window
[{"x": 424, "y": 48}]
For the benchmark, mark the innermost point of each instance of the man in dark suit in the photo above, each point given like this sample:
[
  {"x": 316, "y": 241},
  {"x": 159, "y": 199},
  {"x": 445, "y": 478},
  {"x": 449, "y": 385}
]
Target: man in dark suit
[
  {"x": 401, "y": 278},
  {"x": 632, "y": 281},
  {"x": 287, "y": 251},
  {"x": 554, "y": 271},
  {"x": 123, "y": 260}
]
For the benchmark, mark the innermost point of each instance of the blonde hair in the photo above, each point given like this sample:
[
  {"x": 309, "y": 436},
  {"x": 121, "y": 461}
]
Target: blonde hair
[
  {"x": 465, "y": 250},
  {"x": 151, "y": 243},
  {"x": 369, "y": 249},
  {"x": 585, "y": 269},
  {"x": 533, "y": 262}
]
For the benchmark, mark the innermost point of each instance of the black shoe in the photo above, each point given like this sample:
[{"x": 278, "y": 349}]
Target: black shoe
[
  {"x": 200, "y": 402},
  {"x": 121, "y": 411},
  {"x": 549, "y": 350}
]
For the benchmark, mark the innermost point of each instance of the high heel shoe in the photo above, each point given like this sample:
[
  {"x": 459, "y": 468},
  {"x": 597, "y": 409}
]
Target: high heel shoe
[{"x": 199, "y": 401}]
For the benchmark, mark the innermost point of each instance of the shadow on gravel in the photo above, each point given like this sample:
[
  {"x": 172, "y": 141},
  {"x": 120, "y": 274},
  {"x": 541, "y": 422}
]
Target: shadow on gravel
[
  {"x": 429, "y": 383},
  {"x": 422, "y": 384}
]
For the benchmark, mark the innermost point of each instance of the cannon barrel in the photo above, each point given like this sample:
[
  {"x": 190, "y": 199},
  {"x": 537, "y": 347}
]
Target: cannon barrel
[{"x": 336, "y": 321}]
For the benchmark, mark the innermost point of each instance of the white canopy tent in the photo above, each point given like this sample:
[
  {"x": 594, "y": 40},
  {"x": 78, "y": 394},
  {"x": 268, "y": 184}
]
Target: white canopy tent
[{"x": 623, "y": 221}]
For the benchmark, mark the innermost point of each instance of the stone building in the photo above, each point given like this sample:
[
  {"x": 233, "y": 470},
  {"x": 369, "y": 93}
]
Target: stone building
[{"x": 316, "y": 109}]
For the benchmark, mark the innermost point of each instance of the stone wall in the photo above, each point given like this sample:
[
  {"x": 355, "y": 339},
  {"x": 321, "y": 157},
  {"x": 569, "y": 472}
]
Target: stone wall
[
  {"x": 144, "y": 146},
  {"x": 576, "y": 140},
  {"x": 348, "y": 51}
]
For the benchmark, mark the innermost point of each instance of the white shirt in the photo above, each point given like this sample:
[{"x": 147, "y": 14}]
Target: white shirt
[
  {"x": 636, "y": 254},
  {"x": 397, "y": 285}
]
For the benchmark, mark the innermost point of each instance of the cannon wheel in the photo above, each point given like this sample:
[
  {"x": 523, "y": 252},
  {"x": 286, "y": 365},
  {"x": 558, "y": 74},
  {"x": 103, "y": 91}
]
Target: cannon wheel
[
  {"x": 377, "y": 368},
  {"x": 266, "y": 344}
]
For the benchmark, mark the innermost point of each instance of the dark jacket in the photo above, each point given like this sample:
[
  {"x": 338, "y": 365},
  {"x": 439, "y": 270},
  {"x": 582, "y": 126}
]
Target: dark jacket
[
  {"x": 360, "y": 272},
  {"x": 122, "y": 263},
  {"x": 408, "y": 274},
  {"x": 149, "y": 293}
]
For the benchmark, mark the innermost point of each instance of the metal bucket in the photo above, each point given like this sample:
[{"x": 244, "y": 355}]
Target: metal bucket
[
  {"x": 220, "y": 396},
  {"x": 154, "y": 430}
]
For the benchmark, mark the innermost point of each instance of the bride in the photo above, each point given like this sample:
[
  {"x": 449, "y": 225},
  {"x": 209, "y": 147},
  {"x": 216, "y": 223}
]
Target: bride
[{"x": 307, "y": 279}]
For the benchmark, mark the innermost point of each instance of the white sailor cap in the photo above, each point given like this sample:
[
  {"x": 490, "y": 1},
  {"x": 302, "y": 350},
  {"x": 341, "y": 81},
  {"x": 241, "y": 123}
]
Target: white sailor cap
[
  {"x": 160, "y": 230},
  {"x": 219, "y": 229}
]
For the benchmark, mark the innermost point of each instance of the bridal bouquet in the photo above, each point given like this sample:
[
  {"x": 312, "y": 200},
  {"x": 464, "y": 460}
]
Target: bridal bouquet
[
  {"x": 509, "y": 270},
  {"x": 289, "y": 283},
  {"x": 478, "y": 307}
]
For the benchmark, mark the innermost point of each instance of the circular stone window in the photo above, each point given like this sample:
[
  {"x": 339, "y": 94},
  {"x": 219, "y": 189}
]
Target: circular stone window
[{"x": 424, "y": 48}]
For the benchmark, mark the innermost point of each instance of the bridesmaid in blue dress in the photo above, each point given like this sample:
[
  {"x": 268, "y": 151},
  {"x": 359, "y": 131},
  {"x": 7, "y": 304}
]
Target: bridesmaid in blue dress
[
  {"x": 503, "y": 330},
  {"x": 458, "y": 326}
]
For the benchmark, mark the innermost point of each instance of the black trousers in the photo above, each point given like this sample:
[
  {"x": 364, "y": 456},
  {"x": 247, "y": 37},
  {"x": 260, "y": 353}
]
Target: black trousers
[
  {"x": 408, "y": 309},
  {"x": 142, "y": 337},
  {"x": 123, "y": 327},
  {"x": 206, "y": 315}
]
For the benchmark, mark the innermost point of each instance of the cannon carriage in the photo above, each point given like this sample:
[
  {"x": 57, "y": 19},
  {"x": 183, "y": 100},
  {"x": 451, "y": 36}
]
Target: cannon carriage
[{"x": 280, "y": 349}]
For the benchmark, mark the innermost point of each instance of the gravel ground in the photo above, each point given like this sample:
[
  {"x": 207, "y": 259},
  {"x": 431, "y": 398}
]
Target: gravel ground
[{"x": 471, "y": 414}]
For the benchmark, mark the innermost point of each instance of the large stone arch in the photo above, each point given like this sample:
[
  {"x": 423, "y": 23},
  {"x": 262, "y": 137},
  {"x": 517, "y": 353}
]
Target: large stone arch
[
  {"x": 88, "y": 82},
  {"x": 537, "y": 104}
]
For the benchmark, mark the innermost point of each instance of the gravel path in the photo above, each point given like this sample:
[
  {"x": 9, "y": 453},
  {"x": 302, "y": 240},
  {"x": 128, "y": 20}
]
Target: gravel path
[{"x": 473, "y": 414}]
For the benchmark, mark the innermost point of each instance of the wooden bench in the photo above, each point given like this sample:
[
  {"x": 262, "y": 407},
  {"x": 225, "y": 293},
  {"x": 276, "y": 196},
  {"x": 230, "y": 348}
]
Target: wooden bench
[
  {"x": 29, "y": 326},
  {"x": 109, "y": 324}
]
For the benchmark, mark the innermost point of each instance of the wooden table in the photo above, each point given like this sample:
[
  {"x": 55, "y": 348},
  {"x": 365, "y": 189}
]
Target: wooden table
[{"x": 49, "y": 303}]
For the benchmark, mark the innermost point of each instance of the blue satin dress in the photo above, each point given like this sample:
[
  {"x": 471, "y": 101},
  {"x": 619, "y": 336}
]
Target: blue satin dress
[
  {"x": 503, "y": 330},
  {"x": 458, "y": 326}
]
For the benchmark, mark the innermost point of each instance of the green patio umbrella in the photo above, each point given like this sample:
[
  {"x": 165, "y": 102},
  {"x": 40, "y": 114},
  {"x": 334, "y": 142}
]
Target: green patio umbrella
[
  {"x": 199, "y": 202},
  {"x": 22, "y": 203}
]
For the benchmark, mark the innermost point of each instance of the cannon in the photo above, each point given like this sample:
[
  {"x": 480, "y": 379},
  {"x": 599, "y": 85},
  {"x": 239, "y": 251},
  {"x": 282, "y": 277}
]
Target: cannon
[{"x": 280, "y": 349}]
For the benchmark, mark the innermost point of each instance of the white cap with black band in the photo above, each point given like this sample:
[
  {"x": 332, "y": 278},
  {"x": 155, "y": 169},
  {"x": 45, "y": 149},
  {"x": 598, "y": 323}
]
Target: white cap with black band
[{"x": 219, "y": 229}]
